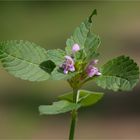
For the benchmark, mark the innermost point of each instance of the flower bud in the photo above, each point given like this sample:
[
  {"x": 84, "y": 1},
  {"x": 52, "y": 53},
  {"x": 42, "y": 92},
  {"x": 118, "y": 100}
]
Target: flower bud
[
  {"x": 75, "y": 48},
  {"x": 93, "y": 62}
]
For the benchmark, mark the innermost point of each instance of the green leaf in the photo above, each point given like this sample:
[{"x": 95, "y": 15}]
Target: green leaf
[
  {"x": 121, "y": 73},
  {"x": 80, "y": 34},
  {"x": 66, "y": 96},
  {"x": 22, "y": 59},
  {"x": 80, "y": 55},
  {"x": 56, "y": 55},
  {"x": 48, "y": 66},
  {"x": 57, "y": 108},
  {"x": 90, "y": 17},
  {"x": 92, "y": 43},
  {"x": 58, "y": 74},
  {"x": 85, "y": 97}
]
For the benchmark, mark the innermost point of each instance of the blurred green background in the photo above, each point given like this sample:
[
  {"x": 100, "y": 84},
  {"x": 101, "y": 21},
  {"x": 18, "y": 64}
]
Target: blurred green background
[{"x": 49, "y": 24}]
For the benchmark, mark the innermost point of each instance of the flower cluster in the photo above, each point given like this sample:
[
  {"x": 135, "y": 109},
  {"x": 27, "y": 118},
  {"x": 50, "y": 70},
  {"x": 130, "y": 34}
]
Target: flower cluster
[{"x": 68, "y": 65}]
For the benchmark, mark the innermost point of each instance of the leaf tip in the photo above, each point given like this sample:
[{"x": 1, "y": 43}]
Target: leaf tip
[{"x": 94, "y": 12}]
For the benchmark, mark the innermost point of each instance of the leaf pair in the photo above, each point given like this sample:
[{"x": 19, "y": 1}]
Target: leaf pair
[
  {"x": 85, "y": 98},
  {"x": 29, "y": 61}
]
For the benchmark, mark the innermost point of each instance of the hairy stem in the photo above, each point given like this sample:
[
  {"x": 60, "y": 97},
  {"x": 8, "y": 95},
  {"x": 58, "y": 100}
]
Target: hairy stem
[{"x": 73, "y": 116}]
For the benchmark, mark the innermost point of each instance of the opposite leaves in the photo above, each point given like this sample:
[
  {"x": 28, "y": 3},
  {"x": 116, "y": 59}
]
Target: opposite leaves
[
  {"x": 85, "y": 97},
  {"x": 121, "y": 73}
]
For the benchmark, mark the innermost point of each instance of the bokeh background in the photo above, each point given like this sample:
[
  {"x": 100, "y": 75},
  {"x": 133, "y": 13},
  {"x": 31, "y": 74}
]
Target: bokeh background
[{"x": 49, "y": 24}]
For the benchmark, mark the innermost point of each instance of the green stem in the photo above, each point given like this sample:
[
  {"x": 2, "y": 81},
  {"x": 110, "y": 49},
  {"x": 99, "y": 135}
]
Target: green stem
[{"x": 74, "y": 116}]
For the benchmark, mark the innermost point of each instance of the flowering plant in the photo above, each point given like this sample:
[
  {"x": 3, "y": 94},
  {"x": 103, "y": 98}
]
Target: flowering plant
[{"x": 77, "y": 65}]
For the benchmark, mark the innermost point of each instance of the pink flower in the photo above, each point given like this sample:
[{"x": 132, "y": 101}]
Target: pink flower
[
  {"x": 75, "y": 48},
  {"x": 68, "y": 65},
  {"x": 91, "y": 70}
]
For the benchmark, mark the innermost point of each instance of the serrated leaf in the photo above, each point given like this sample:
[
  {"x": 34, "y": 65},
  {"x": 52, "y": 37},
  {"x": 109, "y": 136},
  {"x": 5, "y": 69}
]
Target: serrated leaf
[
  {"x": 57, "y": 108},
  {"x": 92, "y": 43},
  {"x": 80, "y": 34},
  {"x": 85, "y": 97},
  {"x": 56, "y": 55},
  {"x": 22, "y": 59},
  {"x": 121, "y": 73}
]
